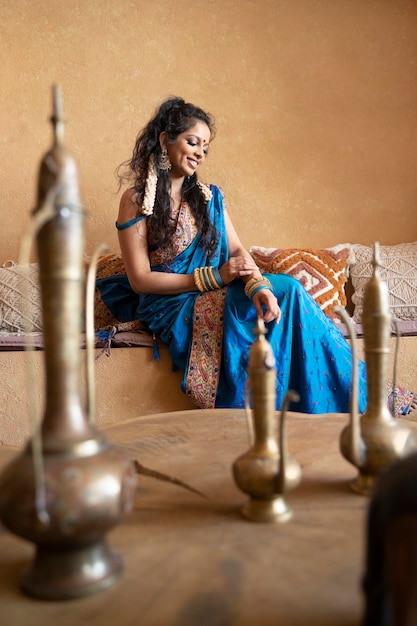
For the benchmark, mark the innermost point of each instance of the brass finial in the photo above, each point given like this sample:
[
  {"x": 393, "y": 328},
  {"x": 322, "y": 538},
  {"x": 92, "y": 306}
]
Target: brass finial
[{"x": 57, "y": 117}]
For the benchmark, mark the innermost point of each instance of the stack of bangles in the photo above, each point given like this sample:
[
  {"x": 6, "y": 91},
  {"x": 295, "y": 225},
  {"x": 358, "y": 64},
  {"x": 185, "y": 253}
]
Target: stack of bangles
[
  {"x": 256, "y": 284},
  {"x": 208, "y": 278}
]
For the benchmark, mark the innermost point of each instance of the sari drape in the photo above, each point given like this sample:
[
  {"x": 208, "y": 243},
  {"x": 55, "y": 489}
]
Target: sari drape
[{"x": 209, "y": 336}]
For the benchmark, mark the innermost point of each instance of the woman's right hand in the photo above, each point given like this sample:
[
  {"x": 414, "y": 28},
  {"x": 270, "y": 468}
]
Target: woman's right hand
[{"x": 238, "y": 267}]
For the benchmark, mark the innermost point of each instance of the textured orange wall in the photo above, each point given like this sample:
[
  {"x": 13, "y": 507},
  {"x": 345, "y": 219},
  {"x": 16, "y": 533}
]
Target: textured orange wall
[{"x": 315, "y": 103}]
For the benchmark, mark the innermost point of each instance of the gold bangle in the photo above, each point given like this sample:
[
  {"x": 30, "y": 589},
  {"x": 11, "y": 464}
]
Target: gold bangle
[
  {"x": 213, "y": 281},
  {"x": 217, "y": 278},
  {"x": 197, "y": 279},
  {"x": 255, "y": 285},
  {"x": 251, "y": 283},
  {"x": 260, "y": 283},
  {"x": 205, "y": 276}
]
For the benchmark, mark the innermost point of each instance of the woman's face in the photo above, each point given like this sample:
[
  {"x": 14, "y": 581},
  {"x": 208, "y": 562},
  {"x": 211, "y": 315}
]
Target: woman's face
[{"x": 189, "y": 150}]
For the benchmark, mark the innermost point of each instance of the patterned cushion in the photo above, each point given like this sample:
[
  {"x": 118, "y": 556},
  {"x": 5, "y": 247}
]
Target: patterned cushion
[
  {"x": 398, "y": 270},
  {"x": 111, "y": 267},
  {"x": 20, "y": 298},
  {"x": 322, "y": 272}
]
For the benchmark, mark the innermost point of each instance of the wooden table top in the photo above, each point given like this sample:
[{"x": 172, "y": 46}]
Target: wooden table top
[{"x": 193, "y": 561}]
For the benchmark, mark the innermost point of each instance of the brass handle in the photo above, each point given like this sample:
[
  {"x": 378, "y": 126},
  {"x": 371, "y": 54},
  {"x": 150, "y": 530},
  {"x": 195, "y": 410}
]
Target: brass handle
[
  {"x": 354, "y": 409},
  {"x": 89, "y": 329},
  {"x": 40, "y": 218},
  {"x": 290, "y": 396}
]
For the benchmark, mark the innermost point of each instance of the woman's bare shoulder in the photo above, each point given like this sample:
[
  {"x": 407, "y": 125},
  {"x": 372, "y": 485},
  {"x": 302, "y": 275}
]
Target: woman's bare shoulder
[
  {"x": 128, "y": 207},
  {"x": 129, "y": 196}
]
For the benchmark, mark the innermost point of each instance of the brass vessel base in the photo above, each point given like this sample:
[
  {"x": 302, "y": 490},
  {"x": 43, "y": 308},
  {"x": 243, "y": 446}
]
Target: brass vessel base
[
  {"x": 275, "y": 510},
  {"x": 363, "y": 484},
  {"x": 65, "y": 574}
]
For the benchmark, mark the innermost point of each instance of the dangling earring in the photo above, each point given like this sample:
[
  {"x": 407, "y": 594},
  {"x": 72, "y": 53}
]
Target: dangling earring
[{"x": 164, "y": 162}]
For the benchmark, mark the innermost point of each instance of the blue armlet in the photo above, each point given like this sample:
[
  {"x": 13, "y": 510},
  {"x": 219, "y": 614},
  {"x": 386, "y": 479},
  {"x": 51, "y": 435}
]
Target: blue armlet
[{"x": 130, "y": 222}]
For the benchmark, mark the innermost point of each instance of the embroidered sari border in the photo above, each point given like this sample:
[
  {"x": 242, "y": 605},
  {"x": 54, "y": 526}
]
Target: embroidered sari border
[{"x": 206, "y": 349}]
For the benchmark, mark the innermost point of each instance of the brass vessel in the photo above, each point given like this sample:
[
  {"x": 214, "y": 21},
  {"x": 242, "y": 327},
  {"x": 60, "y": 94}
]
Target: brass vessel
[
  {"x": 266, "y": 471},
  {"x": 69, "y": 486},
  {"x": 374, "y": 440}
]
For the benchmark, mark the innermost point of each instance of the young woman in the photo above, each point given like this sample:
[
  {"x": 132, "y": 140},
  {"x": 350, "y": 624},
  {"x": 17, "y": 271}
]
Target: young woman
[{"x": 201, "y": 292}]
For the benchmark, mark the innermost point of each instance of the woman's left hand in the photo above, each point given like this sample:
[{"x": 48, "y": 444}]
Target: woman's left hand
[
  {"x": 238, "y": 266},
  {"x": 267, "y": 306}
]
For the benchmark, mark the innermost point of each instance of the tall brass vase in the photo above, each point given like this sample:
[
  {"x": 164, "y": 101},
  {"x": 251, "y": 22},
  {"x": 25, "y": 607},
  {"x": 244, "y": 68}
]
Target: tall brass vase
[
  {"x": 69, "y": 486},
  {"x": 374, "y": 440}
]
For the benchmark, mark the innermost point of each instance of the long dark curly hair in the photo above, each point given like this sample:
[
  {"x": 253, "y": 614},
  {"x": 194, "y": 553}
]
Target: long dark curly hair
[{"x": 174, "y": 116}]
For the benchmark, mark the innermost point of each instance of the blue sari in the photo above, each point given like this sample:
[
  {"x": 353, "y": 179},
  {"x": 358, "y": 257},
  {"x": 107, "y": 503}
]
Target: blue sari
[{"x": 209, "y": 335}]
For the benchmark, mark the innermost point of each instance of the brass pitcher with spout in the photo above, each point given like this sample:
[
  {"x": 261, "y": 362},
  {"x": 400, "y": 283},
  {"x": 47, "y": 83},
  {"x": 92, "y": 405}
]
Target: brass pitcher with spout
[
  {"x": 374, "y": 440},
  {"x": 69, "y": 486},
  {"x": 266, "y": 471}
]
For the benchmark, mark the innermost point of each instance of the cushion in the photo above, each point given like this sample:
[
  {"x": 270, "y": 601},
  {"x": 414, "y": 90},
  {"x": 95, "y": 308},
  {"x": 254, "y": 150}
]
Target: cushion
[
  {"x": 20, "y": 290},
  {"x": 20, "y": 298},
  {"x": 398, "y": 269},
  {"x": 322, "y": 272},
  {"x": 115, "y": 302}
]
